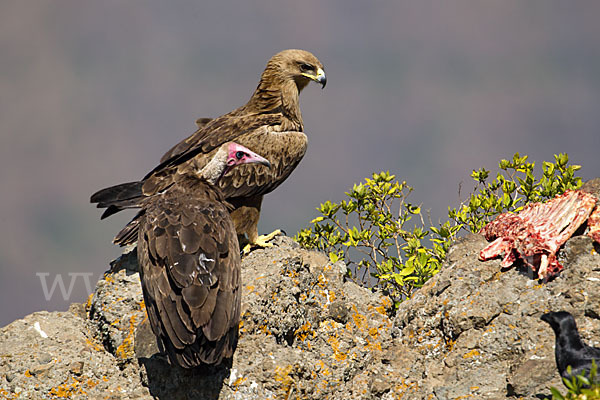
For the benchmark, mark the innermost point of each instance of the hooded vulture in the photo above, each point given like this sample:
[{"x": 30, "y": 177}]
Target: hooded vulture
[
  {"x": 189, "y": 261},
  {"x": 270, "y": 123}
]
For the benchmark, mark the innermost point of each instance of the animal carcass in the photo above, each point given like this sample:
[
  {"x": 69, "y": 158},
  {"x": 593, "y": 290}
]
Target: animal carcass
[{"x": 537, "y": 232}]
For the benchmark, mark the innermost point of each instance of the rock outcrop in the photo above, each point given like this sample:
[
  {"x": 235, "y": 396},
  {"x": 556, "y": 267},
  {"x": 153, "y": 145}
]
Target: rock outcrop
[{"x": 473, "y": 331}]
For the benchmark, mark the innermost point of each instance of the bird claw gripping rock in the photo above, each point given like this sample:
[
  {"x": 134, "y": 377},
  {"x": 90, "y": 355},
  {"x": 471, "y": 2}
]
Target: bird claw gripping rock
[{"x": 537, "y": 232}]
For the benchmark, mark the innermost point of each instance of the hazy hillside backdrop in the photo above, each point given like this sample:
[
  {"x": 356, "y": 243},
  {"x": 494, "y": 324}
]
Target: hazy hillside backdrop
[{"x": 92, "y": 94}]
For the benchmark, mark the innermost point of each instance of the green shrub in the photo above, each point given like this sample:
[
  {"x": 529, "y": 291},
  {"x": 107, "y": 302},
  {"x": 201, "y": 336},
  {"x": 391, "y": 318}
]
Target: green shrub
[
  {"x": 369, "y": 230},
  {"x": 376, "y": 230},
  {"x": 580, "y": 387},
  {"x": 514, "y": 187}
]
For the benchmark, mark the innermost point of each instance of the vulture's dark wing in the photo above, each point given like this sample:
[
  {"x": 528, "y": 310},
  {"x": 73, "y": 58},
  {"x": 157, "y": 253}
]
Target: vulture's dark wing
[{"x": 190, "y": 272}]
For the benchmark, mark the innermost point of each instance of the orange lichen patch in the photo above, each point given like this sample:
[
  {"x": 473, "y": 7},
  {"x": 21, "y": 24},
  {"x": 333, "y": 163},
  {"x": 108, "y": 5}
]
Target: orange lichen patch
[
  {"x": 329, "y": 297},
  {"x": 472, "y": 353},
  {"x": 322, "y": 281},
  {"x": 450, "y": 345},
  {"x": 93, "y": 345},
  {"x": 303, "y": 332},
  {"x": 126, "y": 349},
  {"x": 28, "y": 374},
  {"x": 291, "y": 273},
  {"x": 7, "y": 395},
  {"x": 319, "y": 365},
  {"x": 91, "y": 383},
  {"x": 109, "y": 278},
  {"x": 263, "y": 329},
  {"x": 496, "y": 276},
  {"x": 403, "y": 389},
  {"x": 67, "y": 390},
  {"x": 282, "y": 375},
  {"x": 143, "y": 310},
  {"x": 359, "y": 320},
  {"x": 329, "y": 325},
  {"x": 373, "y": 345},
  {"x": 325, "y": 371},
  {"x": 238, "y": 382},
  {"x": 335, "y": 346},
  {"x": 374, "y": 333},
  {"x": 386, "y": 304},
  {"x": 88, "y": 303}
]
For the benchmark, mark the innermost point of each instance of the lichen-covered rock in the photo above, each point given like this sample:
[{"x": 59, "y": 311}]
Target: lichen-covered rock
[
  {"x": 55, "y": 355},
  {"x": 473, "y": 331},
  {"x": 477, "y": 329},
  {"x": 304, "y": 333},
  {"x": 117, "y": 307}
]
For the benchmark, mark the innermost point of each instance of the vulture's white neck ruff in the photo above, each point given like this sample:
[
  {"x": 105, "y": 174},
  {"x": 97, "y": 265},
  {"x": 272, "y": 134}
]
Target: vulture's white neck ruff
[{"x": 215, "y": 167}]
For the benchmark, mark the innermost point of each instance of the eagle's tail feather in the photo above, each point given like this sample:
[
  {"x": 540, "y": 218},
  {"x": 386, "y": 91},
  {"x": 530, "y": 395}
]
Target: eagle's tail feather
[{"x": 118, "y": 197}]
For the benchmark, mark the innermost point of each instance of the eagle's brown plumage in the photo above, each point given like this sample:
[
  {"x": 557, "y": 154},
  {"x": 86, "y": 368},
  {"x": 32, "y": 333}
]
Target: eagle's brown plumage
[
  {"x": 270, "y": 124},
  {"x": 190, "y": 264}
]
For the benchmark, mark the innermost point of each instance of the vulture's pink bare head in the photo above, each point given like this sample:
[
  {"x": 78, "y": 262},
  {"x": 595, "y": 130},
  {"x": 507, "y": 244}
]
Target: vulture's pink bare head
[
  {"x": 227, "y": 157},
  {"x": 238, "y": 154}
]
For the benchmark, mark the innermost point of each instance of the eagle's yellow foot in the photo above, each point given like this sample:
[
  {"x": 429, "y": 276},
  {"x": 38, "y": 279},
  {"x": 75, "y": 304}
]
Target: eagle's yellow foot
[{"x": 261, "y": 241}]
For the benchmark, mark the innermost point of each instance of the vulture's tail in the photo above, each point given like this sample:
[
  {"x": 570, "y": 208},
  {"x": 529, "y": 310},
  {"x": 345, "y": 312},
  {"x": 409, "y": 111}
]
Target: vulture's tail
[{"x": 118, "y": 197}]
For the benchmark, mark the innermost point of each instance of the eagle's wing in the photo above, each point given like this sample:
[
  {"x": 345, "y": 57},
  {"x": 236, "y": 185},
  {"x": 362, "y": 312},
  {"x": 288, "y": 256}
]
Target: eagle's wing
[
  {"x": 190, "y": 272},
  {"x": 181, "y": 146},
  {"x": 212, "y": 133},
  {"x": 283, "y": 149}
]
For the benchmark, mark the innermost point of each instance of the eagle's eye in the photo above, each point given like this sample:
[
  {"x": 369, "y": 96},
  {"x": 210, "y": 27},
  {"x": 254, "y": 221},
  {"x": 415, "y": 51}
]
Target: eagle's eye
[
  {"x": 305, "y": 67},
  {"x": 239, "y": 155}
]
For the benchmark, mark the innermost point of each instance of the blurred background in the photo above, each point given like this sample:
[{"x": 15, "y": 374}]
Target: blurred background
[{"x": 93, "y": 93}]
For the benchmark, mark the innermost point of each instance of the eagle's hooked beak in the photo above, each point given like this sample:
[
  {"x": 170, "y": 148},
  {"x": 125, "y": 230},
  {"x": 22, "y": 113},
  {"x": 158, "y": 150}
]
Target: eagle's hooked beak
[{"x": 319, "y": 78}]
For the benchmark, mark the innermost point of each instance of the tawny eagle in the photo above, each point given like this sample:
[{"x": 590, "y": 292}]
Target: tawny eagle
[
  {"x": 270, "y": 123},
  {"x": 189, "y": 260}
]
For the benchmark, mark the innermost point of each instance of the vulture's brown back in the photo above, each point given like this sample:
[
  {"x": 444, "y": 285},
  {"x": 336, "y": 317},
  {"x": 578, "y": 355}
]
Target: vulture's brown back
[{"x": 190, "y": 271}]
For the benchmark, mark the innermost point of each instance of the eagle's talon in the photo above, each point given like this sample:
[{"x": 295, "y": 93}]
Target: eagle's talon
[{"x": 261, "y": 241}]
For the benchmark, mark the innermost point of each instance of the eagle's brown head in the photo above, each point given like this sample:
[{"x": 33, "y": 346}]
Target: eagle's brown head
[{"x": 295, "y": 65}]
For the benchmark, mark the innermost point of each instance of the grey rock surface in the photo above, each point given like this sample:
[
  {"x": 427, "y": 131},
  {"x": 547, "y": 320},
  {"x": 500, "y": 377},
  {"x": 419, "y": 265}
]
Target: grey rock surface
[
  {"x": 482, "y": 337},
  {"x": 473, "y": 331}
]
